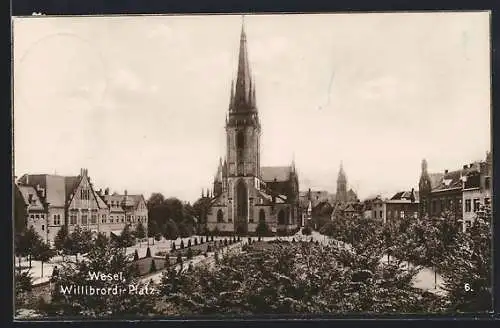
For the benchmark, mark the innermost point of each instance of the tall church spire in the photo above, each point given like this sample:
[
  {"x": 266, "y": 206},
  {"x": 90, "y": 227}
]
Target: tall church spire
[{"x": 243, "y": 93}]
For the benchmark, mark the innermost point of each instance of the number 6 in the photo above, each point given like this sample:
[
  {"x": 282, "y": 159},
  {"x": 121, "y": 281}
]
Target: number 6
[{"x": 467, "y": 287}]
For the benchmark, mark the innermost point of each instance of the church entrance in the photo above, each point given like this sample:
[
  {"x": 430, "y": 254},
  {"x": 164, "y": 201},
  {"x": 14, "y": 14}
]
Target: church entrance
[{"x": 241, "y": 225}]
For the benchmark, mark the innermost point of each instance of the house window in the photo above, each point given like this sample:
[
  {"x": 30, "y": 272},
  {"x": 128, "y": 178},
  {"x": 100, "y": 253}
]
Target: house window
[
  {"x": 467, "y": 205},
  {"x": 476, "y": 204},
  {"x": 32, "y": 216},
  {"x": 487, "y": 183},
  {"x": 42, "y": 216},
  {"x": 487, "y": 202},
  {"x": 93, "y": 219},
  {"x": 374, "y": 214},
  {"x": 43, "y": 227},
  {"x": 37, "y": 216},
  {"x": 72, "y": 219},
  {"x": 123, "y": 218},
  {"x": 84, "y": 219},
  {"x": 262, "y": 215},
  {"x": 57, "y": 219},
  {"x": 434, "y": 206},
  {"x": 415, "y": 215},
  {"x": 402, "y": 214},
  {"x": 381, "y": 215}
]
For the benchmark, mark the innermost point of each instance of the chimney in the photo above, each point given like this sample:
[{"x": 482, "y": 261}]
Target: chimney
[
  {"x": 106, "y": 191},
  {"x": 445, "y": 171},
  {"x": 465, "y": 167},
  {"x": 471, "y": 165}
]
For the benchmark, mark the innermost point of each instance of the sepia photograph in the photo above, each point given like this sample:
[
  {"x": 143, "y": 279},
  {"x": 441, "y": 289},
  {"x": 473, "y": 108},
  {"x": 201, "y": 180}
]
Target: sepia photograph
[{"x": 240, "y": 165}]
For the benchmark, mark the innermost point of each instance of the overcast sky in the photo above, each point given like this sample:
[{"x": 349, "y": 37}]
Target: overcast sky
[{"x": 141, "y": 101}]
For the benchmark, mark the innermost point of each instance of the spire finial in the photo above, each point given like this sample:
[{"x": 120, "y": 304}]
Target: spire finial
[{"x": 242, "y": 93}]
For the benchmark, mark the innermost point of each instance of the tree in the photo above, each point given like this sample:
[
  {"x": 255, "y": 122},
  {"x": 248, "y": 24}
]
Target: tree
[
  {"x": 20, "y": 211},
  {"x": 173, "y": 246},
  {"x": 105, "y": 257},
  {"x": 196, "y": 241},
  {"x": 28, "y": 242},
  {"x": 209, "y": 249},
  {"x": 294, "y": 279},
  {"x": 182, "y": 244},
  {"x": 43, "y": 253},
  {"x": 189, "y": 253},
  {"x": 467, "y": 269},
  {"x": 189, "y": 243},
  {"x": 126, "y": 237},
  {"x": 306, "y": 230},
  {"x": 185, "y": 229},
  {"x": 148, "y": 252},
  {"x": 86, "y": 241},
  {"x": 136, "y": 255},
  {"x": 179, "y": 259},
  {"x": 139, "y": 231},
  {"x": 171, "y": 231},
  {"x": 262, "y": 229},
  {"x": 152, "y": 267},
  {"x": 75, "y": 242},
  {"x": 61, "y": 240}
]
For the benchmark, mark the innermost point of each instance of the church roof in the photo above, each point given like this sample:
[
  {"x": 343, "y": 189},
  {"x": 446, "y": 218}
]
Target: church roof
[{"x": 275, "y": 173}]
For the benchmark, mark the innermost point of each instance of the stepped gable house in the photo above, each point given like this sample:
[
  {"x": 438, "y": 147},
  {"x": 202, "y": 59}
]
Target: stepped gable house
[{"x": 246, "y": 193}]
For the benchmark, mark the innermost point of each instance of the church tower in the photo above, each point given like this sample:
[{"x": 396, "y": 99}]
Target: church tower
[
  {"x": 243, "y": 141},
  {"x": 424, "y": 190},
  {"x": 341, "y": 185}
]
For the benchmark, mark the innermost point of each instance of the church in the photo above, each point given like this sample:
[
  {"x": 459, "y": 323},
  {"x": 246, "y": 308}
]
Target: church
[{"x": 244, "y": 192}]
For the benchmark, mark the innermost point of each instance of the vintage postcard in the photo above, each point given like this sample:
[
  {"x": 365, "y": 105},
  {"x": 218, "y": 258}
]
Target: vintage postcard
[{"x": 243, "y": 165}]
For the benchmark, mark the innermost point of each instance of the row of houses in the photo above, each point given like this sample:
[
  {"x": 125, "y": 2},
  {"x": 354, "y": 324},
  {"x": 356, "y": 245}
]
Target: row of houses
[
  {"x": 52, "y": 201},
  {"x": 465, "y": 192}
]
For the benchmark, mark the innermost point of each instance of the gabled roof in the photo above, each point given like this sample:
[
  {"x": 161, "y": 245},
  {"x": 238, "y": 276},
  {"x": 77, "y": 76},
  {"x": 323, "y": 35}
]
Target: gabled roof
[
  {"x": 450, "y": 180},
  {"x": 54, "y": 185},
  {"x": 435, "y": 179},
  {"x": 280, "y": 173},
  {"x": 131, "y": 200},
  {"x": 35, "y": 204},
  {"x": 71, "y": 183}
]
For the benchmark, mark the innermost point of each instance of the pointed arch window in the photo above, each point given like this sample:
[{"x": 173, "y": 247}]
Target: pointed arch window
[
  {"x": 220, "y": 216},
  {"x": 240, "y": 140},
  {"x": 281, "y": 217},
  {"x": 262, "y": 215}
]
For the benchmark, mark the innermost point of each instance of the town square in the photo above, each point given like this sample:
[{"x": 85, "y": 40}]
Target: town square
[{"x": 222, "y": 165}]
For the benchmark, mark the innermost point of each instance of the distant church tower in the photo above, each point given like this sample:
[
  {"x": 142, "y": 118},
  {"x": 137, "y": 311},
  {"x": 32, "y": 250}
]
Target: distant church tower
[
  {"x": 243, "y": 139},
  {"x": 424, "y": 190},
  {"x": 341, "y": 195}
]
